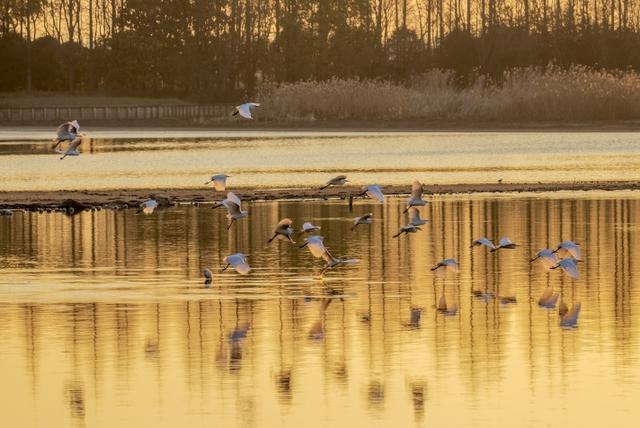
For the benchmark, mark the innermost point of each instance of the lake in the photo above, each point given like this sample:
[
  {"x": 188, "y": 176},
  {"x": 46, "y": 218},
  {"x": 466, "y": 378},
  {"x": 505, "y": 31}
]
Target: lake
[
  {"x": 185, "y": 159},
  {"x": 105, "y": 318}
]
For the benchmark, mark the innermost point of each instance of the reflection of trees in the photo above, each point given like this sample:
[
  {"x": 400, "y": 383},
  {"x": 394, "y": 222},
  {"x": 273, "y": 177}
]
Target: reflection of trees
[{"x": 180, "y": 349}]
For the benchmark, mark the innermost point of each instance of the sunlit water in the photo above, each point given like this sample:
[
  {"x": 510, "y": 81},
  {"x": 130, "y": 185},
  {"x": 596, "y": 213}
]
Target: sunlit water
[
  {"x": 105, "y": 320},
  {"x": 286, "y": 160}
]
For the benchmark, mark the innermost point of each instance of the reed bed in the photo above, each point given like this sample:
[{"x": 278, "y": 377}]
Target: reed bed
[{"x": 522, "y": 95}]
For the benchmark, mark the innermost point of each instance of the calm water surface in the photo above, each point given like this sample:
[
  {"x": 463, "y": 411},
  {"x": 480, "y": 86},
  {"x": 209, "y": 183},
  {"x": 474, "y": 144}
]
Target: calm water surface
[
  {"x": 306, "y": 159},
  {"x": 105, "y": 320}
]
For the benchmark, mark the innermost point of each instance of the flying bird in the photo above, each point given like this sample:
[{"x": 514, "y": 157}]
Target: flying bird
[
  {"x": 569, "y": 266},
  {"x": 373, "y": 191},
  {"x": 67, "y": 131},
  {"x": 219, "y": 182},
  {"x": 364, "y": 219},
  {"x": 309, "y": 228},
  {"x": 416, "y": 196},
  {"x": 208, "y": 277},
  {"x": 283, "y": 230},
  {"x": 414, "y": 217},
  {"x": 407, "y": 229},
  {"x": 483, "y": 241},
  {"x": 148, "y": 206},
  {"x": 237, "y": 261},
  {"x": 72, "y": 150},
  {"x": 244, "y": 110},
  {"x": 339, "y": 180},
  {"x": 448, "y": 264},
  {"x": 568, "y": 249},
  {"x": 234, "y": 208},
  {"x": 316, "y": 245},
  {"x": 547, "y": 258},
  {"x": 504, "y": 243}
]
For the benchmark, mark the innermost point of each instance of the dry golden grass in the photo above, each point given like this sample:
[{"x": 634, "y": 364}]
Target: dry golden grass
[{"x": 524, "y": 95}]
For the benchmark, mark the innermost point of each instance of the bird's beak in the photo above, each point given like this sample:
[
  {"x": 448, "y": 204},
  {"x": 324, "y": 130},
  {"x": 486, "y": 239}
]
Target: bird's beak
[
  {"x": 225, "y": 268},
  {"x": 534, "y": 259},
  {"x": 303, "y": 245},
  {"x": 208, "y": 182}
]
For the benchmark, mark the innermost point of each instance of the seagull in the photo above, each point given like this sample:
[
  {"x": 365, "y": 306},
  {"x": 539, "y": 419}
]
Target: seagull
[
  {"x": 207, "y": 275},
  {"x": 238, "y": 261},
  {"x": 233, "y": 205},
  {"x": 244, "y": 110},
  {"x": 338, "y": 180},
  {"x": 283, "y": 230},
  {"x": 148, "y": 206},
  {"x": 416, "y": 196},
  {"x": 316, "y": 245},
  {"x": 332, "y": 261},
  {"x": 365, "y": 219},
  {"x": 548, "y": 299},
  {"x": 447, "y": 310},
  {"x": 568, "y": 248},
  {"x": 66, "y": 132},
  {"x": 570, "y": 318},
  {"x": 483, "y": 241},
  {"x": 309, "y": 228},
  {"x": 547, "y": 258},
  {"x": 373, "y": 191},
  {"x": 414, "y": 217},
  {"x": 219, "y": 182},
  {"x": 72, "y": 150},
  {"x": 407, "y": 229},
  {"x": 569, "y": 266},
  {"x": 448, "y": 264},
  {"x": 504, "y": 243}
]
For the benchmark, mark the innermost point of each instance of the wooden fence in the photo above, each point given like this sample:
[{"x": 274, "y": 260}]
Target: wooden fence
[{"x": 103, "y": 113}]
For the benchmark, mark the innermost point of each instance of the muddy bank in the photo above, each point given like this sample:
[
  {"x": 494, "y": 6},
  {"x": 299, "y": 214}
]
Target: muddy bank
[{"x": 76, "y": 201}]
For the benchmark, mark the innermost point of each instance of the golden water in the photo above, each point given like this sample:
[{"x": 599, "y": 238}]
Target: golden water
[
  {"x": 105, "y": 320},
  {"x": 303, "y": 160}
]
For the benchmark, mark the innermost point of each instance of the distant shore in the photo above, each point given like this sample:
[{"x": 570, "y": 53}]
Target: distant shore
[{"x": 115, "y": 199}]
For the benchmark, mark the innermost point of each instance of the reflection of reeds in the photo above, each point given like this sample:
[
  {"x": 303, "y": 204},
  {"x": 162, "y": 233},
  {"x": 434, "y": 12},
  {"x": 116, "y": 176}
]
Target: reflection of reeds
[{"x": 527, "y": 94}]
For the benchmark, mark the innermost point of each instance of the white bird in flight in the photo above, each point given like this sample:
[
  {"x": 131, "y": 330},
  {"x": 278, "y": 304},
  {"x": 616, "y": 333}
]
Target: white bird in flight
[
  {"x": 483, "y": 241},
  {"x": 238, "y": 261},
  {"x": 414, "y": 217},
  {"x": 416, "y": 196},
  {"x": 67, "y": 131},
  {"x": 373, "y": 191},
  {"x": 339, "y": 180},
  {"x": 72, "y": 150},
  {"x": 447, "y": 264},
  {"x": 505, "y": 243},
  {"x": 407, "y": 229},
  {"x": 569, "y": 266},
  {"x": 547, "y": 258},
  {"x": 316, "y": 245},
  {"x": 233, "y": 205},
  {"x": 219, "y": 182},
  {"x": 148, "y": 206},
  {"x": 308, "y": 227},
  {"x": 568, "y": 249},
  {"x": 244, "y": 110},
  {"x": 283, "y": 230},
  {"x": 364, "y": 219}
]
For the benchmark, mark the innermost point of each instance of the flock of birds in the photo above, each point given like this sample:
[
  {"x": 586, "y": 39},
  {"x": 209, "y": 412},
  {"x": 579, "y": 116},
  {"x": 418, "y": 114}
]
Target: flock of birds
[{"x": 565, "y": 256}]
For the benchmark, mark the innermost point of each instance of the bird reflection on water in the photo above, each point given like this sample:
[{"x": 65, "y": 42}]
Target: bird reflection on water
[{"x": 243, "y": 347}]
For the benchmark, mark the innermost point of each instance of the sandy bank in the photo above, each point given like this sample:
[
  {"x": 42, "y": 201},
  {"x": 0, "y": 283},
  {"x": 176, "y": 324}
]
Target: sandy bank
[{"x": 123, "y": 198}]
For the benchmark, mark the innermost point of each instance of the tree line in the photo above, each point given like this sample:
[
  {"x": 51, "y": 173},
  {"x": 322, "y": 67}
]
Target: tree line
[{"x": 217, "y": 50}]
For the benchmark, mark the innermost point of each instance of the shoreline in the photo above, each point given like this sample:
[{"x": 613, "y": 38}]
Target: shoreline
[
  {"x": 123, "y": 198},
  {"x": 155, "y": 129}
]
